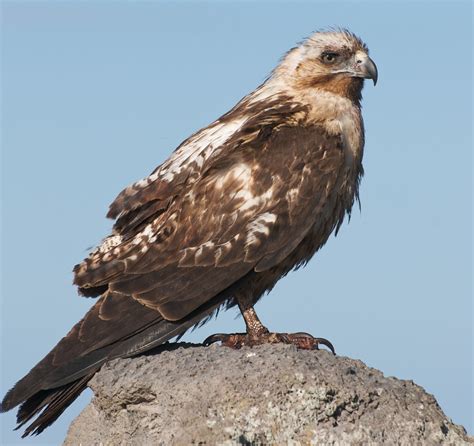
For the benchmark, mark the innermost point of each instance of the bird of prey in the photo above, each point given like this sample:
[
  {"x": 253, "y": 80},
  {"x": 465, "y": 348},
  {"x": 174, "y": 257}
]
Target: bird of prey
[{"x": 236, "y": 206}]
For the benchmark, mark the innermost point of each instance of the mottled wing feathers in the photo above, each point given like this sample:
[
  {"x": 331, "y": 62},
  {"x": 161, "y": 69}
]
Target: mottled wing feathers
[
  {"x": 166, "y": 181},
  {"x": 248, "y": 210},
  {"x": 135, "y": 204}
]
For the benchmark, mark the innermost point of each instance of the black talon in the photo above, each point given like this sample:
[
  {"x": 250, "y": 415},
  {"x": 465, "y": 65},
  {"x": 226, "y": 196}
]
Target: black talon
[
  {"x": 317, "y": 341},
  {"x": 325, "y": 342},
  {"x": 213, "y": 338}
]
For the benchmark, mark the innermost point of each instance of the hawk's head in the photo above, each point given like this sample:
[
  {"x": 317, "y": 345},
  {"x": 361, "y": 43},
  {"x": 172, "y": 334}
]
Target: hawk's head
[{"x": 336, "y": 61}]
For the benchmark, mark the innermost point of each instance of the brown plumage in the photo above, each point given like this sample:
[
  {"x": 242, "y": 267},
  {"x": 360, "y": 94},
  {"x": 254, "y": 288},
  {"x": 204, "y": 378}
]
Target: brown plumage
[{"x": 237, "y": 206}]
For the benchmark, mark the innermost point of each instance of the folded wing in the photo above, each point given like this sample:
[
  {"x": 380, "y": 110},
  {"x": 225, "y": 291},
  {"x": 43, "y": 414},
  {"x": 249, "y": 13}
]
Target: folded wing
[{"x": 248, "y": 210}]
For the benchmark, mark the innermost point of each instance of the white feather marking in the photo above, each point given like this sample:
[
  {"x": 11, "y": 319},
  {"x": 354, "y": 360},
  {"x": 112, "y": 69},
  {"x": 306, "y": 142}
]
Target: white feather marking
[
  {"x": 148, "y": 231},
  {"x": 260, "y": 225},
  {"x": 148, "y": 235},
  {"x": 252, "y": 201},
  {"x": 200, "y": 250},
  {"x": 245, "y": 195},
  {"x": 199, "y": 148},
  {"x": 109, "y": 243},
  {"x": 272, "y": 88},
  {"x": 240, "y": 172},
  {"x": 243, "y": 174},
  {"x": 292, "y": 194},
  {"x": 224, "y": 248},
  {"x": 137, "y": 240}
]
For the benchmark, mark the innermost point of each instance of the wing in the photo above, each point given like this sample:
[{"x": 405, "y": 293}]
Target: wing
[
  {"x": 145, "y": 199},
  {"x": 247, "y": 211}
]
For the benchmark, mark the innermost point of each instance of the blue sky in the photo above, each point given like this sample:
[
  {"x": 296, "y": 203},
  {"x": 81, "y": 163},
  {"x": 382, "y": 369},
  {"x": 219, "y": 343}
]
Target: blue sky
[{"x": 96, "y": 94}]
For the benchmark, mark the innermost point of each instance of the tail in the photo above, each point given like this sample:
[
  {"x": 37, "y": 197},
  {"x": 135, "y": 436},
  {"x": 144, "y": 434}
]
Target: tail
[{"x": 59, "y": 378}]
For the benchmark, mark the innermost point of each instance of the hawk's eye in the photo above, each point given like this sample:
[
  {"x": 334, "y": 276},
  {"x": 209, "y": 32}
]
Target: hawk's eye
[{"x": 329, "y": 57}]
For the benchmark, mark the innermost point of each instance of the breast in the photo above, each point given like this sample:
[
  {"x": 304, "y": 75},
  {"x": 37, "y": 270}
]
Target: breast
[
  {"x": 340, "y": 116},
  {"x": 350, "y": 127},
  {"x": 348, "y": 124}
]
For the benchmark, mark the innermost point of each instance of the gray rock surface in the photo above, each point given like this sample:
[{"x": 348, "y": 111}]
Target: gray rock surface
[{"x": 271, "y": 394}]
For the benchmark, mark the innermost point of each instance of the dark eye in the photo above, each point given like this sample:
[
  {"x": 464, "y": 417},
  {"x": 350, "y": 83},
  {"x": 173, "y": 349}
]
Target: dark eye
[{"x": 329, "y": 57}]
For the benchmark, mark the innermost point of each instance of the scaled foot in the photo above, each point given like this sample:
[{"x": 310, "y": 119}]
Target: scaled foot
[{"x": 303, "y": 341}]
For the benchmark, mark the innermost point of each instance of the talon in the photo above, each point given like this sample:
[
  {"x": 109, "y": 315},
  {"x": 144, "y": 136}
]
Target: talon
[
  {"x": 217, "y": 337},
  {"x": 314, "y": 341},
  {"x": 325, "y": 342},
  {"x": 230, "y": 340}
]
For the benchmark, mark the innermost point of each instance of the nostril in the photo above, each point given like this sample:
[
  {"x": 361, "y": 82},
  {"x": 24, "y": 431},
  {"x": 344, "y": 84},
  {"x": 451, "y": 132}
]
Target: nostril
[{"x": 358, "y": 61}]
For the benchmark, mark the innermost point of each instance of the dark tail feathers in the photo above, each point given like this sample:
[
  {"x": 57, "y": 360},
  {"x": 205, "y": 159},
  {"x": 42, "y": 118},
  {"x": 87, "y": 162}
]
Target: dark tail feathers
[
  {"x": 56, "y": 401},
  {"x": 47, "y": 390}
]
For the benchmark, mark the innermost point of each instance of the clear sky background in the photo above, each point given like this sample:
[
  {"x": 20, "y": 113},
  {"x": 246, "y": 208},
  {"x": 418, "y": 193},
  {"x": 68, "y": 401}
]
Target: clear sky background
[{"x": 96, "y": 94}]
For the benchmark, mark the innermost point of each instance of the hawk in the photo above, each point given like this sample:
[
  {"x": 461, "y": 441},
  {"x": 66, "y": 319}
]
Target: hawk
[{"x": 236, "y": 206}]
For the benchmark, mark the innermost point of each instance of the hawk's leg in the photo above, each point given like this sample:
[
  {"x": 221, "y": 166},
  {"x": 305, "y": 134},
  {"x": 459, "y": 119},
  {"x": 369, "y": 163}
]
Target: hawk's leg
[{"x": 257, "y": 334}]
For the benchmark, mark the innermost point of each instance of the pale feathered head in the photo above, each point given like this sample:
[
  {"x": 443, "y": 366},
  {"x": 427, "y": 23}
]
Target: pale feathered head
[{"x": 331, "y": 60}]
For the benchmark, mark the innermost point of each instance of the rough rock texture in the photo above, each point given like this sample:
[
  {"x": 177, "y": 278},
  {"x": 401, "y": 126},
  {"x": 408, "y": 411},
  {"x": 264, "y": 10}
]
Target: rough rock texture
[{"x": 272, "y": 394}]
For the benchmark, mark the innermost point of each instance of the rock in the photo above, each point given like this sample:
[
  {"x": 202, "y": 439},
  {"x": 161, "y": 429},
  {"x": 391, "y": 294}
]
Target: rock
[{"x": 271, "y": 394}]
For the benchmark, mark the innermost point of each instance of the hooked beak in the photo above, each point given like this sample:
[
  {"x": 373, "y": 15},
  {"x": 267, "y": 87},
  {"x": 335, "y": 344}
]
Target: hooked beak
[{"x": 365, "y": 67}]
